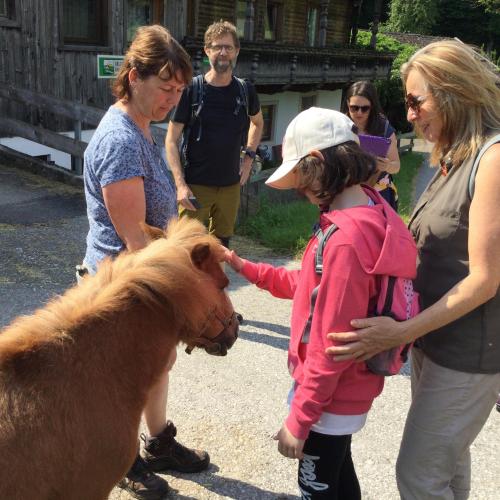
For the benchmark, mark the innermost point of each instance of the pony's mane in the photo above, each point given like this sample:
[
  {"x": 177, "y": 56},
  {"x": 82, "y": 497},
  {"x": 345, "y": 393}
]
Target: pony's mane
[{"x": 161, "y": 276}]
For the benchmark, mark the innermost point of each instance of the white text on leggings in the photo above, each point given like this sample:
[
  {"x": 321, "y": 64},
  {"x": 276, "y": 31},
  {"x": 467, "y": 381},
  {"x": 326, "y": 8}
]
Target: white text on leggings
[{"x": 307, "y": 476}]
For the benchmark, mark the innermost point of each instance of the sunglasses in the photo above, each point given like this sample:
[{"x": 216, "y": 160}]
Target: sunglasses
[
  {"x": 414, "y": 102},
  {"x": 354, "y": 109}
]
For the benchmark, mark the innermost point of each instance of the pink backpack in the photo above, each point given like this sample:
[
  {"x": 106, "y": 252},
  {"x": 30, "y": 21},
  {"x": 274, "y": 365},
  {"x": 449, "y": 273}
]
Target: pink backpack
[{"x": 396, "y": 299}]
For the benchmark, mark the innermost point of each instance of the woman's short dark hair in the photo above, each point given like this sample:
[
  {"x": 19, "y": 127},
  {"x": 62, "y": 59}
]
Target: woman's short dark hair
[
  {"x": 366, "y": 89},
  {"x": 153, "y": 52},
  {"x": 343, "y": 166}
]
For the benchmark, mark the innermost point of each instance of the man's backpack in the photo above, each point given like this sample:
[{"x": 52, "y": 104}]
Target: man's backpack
[
  {"x": 396, "y": 299},
  {"x": 197, "y": 105}
]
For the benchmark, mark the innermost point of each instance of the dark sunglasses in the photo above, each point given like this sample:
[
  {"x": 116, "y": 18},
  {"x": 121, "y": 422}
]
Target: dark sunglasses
[
  {"x": 414, "y": 102},
  {"x": 354, "y": 109}
]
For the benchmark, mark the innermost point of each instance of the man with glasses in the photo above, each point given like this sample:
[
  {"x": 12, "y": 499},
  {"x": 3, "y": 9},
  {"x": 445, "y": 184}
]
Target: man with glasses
[{"x": 218, "y": 159}]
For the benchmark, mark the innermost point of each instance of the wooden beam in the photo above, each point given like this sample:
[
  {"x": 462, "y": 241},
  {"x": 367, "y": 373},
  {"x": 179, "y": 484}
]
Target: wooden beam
[
  {"x": 43, "y": 136},
  {"x": 249, "y": 21},
  {"x": 323, "y": 22},
  {"x": 68, "y": 109},
  {"x": 377, "y": 11}
]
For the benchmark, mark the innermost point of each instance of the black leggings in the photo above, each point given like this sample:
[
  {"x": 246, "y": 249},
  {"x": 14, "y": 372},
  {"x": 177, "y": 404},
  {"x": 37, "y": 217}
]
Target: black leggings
[{"x": 327, "y": 471}]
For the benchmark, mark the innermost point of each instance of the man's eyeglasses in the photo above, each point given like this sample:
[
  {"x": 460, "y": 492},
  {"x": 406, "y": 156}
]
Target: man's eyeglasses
[
  {"x": 220, "y": 48},
  {"x": 414, "y": 102},
  {"x": 354, "y": 109}
]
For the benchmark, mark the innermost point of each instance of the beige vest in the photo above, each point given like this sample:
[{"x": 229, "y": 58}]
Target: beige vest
[{"x": 440, "y": 227}]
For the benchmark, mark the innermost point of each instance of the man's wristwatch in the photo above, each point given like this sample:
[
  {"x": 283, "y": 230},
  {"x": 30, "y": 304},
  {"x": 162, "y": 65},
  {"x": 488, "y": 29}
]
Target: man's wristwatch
[{"x": 251, "y": 153}]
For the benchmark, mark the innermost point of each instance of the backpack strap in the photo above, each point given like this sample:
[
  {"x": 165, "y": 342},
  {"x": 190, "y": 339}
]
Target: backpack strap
[
  {"x": 242, "y": 101},
  {"x": 196, "y": 106},
  {"x": 386, "y": 310},
  {"x": 243, "y": 98},
  {"x": 196, "y": 103},
  {"x": 472, "y": 178},
  {"x": 323, "y": 238},
  {"x": 318, "y": 268}
]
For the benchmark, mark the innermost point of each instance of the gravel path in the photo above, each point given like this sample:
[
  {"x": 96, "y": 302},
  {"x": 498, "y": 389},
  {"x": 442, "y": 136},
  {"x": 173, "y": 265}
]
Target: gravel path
[{"x": 229, "y": 406}]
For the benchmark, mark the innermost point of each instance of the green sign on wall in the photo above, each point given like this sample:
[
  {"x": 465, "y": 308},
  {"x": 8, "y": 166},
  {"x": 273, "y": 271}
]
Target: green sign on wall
[{"x": 108, "y": 66}]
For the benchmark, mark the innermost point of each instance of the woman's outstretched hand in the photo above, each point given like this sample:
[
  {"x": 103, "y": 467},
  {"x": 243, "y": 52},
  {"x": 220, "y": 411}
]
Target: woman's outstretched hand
[
  {"x": 372, "y": 335},
  {"x": 233, "y": 259}
]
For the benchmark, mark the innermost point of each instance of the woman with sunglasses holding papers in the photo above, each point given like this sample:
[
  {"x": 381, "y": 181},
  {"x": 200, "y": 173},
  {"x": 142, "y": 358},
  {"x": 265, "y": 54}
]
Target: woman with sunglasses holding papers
[
  {"x": 453, "y": 99},
  {"x": 363, "y": 108}
]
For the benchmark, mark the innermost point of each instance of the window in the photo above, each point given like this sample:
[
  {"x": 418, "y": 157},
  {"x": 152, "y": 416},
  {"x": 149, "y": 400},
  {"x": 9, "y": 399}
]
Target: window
[
  {"x": 268, "y": 112},
  {"x": 241, "y": 13},
  {"x": 85, "y": 22},
  {"x": 272, "y": 20},
  {"x": 312, "y": 26},
  {"x": 307, "y": 101},
  {"x": 7, "y": 12},
  {"x": 141, "y": 13}
]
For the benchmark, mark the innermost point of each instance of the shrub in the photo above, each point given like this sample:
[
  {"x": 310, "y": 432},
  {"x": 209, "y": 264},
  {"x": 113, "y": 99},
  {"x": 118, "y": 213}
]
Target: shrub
[{"x": 390, "y": 91}]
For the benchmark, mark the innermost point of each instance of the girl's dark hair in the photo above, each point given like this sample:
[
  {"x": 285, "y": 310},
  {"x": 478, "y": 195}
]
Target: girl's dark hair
[
  {"x": 343, "y": 166},
  {"x": 376, "y": 118}
]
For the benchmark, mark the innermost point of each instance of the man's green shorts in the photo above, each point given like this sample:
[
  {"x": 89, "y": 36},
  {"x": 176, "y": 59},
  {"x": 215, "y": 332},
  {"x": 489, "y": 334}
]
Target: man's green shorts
[{"x": 219, "y": 208}]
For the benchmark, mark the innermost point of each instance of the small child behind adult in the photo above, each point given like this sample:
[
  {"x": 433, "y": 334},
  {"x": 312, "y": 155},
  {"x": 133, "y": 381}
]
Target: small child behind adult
[{"x": 329, "y": 400}]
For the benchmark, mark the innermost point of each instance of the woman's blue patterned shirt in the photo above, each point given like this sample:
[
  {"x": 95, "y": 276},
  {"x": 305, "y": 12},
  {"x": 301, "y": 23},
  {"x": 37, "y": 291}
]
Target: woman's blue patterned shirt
[{"x": 117, "y": 151}]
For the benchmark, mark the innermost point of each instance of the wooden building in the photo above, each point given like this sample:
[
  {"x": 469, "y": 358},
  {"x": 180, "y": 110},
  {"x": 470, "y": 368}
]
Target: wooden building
[{"x": 297, "y": 52}]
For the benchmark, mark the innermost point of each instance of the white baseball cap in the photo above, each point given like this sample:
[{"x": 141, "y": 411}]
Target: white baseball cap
[{"x": 313, "y": 129}]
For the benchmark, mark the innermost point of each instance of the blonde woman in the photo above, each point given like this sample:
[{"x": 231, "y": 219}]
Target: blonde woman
[{"x": 453, "y": 99}]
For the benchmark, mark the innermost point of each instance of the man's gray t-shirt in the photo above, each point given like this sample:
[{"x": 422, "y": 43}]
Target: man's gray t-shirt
[{"x": 117, "y": 151}]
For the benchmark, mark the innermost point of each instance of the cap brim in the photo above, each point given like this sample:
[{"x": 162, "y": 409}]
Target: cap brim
[{"x": 283, "y": 177}]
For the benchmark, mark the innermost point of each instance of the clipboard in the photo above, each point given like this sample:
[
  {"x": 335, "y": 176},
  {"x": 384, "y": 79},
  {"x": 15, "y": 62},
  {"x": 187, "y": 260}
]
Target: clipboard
[{"x": 375, "y": 145}]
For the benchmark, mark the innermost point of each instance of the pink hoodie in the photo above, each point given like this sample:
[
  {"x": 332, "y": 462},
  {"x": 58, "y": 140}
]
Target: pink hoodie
[{"x": 370, "y": 241}]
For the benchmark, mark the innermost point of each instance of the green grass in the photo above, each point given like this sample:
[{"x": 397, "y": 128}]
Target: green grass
[
  {"x": 404, "y": 180},
  {"x": 286, "y": 227},
  {"x": 282, "y": 227}
]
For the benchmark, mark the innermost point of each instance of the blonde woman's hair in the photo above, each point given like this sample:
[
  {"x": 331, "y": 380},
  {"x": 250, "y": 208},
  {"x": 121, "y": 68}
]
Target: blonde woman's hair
[
  {"x": 465, "y": 87},
  {"x": 219, "y": 29},
  {"x": 153, "y": 52}
]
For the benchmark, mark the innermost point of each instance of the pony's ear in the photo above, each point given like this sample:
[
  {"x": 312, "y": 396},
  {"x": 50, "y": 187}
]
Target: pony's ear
[
  {"x": 199, "y": 254},
  {"x": 152, "y": 233}
]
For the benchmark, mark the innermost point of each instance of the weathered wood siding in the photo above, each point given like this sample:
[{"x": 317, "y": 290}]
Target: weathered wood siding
[
  {"x": 33, "y": 57},
  {"x": 210, "y": 10},
  {"x": 339, "y": 22},
  {"x": 293, "y": 29}
]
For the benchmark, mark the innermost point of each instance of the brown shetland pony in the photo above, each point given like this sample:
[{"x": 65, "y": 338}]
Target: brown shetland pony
[{"x": 75, "y": 375}]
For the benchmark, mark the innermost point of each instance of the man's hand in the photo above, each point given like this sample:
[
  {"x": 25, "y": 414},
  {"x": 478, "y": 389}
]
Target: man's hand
[
  {"x": 288, "y": 445},
  {"x": 183, "y": 194},
  {"x": 245, "y": 169}
]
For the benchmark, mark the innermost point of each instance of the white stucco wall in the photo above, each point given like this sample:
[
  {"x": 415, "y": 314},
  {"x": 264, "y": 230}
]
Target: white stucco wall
[{"x": 288, "y": 106}]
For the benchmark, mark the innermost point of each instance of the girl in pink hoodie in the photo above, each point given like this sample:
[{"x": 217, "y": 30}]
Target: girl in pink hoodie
[{"x": 330, "y": 400}]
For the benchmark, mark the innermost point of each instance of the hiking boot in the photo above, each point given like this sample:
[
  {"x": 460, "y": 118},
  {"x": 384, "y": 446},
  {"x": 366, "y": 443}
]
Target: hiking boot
[
  {"x": 164, "y": 452},
  {"x": 141, "y": 483}
]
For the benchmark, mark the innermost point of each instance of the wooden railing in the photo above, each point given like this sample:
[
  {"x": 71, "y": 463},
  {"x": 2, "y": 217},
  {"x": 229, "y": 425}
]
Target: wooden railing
[{"x": 78, "y": 113}]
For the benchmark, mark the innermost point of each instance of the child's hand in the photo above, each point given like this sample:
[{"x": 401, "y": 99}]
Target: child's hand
[
  {"x": 233, "y": 260},
  {"x": 288, "y": 445},
  {"x": 383, "y": 164}
]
